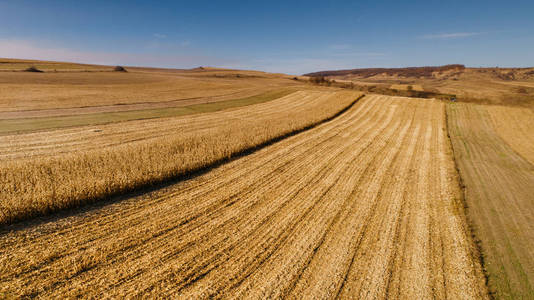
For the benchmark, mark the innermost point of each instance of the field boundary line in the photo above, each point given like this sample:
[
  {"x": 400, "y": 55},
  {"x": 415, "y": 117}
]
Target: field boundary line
[{"x": 476, "y": 252}]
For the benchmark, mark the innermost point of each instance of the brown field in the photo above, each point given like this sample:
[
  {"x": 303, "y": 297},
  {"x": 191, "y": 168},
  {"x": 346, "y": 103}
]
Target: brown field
[
  {"x": 503, "y": 86},
  {"x": 367, "y": 205},
  {"x": 150, "y": 111},
  {"x": 71, "y": 91},
  {"x": 499, "y": 190},
  {"x": 46, "y": 171},
  {"x": 244, "y": 184},
  {"x": 419, "y": 72}
]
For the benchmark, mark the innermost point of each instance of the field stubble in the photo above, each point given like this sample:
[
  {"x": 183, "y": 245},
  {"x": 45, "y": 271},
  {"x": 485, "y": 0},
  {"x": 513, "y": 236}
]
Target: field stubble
[
  {"x": 75, "y": 117},
  {"x": 499, "y": 189},
  {"x": 24, "y": 94},
  {"x": 66, "y": 168},
  {"x": 365, "y": 206}
]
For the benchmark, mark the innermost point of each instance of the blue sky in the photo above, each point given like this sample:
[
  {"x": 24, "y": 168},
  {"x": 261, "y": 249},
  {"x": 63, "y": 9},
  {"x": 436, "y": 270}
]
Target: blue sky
[{"x": 277, "y": 36}]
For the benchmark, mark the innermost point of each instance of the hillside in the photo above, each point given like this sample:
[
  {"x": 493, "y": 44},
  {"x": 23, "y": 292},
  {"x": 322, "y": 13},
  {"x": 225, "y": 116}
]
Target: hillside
[
  {"x": 398, "y": 72},
  {"x": 435, "y": 72},
  {"x": 58, "y": 94},
  {"x": 507, "y": 86}
]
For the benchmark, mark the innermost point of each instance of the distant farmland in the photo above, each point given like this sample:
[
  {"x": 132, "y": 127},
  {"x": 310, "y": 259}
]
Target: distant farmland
[
  {"x": 48, "y": 171},
  {"x": 500, "y": 86}
]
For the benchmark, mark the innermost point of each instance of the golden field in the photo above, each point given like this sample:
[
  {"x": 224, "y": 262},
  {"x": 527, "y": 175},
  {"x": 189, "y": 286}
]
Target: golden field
[
  {"x": 101, "y": 116},
  {"x": 73, "y": 90},
  {"x": 366, "y": 205},
  {"x": 58, "y": 176},
  {"x": 217, "y": 183}
]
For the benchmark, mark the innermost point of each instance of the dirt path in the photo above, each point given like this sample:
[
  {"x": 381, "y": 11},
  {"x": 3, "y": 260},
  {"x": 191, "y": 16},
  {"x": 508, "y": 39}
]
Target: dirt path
[
  {"x": 499, "y": 192},
  {"x": 365, "y": 206}
]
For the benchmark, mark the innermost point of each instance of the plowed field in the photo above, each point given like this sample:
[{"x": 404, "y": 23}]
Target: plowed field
[{"x": 365, "y": 206}]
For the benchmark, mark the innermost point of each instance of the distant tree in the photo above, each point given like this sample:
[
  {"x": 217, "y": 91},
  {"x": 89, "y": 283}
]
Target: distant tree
[
  {"x": 409, "y": 88},
  {"x": 320, "y": 80},
  {"x": 33, "y": 69},
  {"x": 119, "y": 69}
]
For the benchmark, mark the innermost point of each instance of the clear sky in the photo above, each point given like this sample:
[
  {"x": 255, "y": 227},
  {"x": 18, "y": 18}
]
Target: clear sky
[{"x": 277, "y": 36}]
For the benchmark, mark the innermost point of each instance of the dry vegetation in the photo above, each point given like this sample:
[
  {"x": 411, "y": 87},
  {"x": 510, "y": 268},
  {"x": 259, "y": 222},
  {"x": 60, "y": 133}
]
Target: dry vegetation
[
  {"x": 365, "y": 206},
  {"x": 402, "y": 72},
  {"x": 91, "y": 166},
  {"x": 70, "y": 91},
  {"x": 505, "y": 86},
  {"x": 80, "y": 119},
  {"x": 499, "y": 190},
  {"x": 516, "y": 127}
]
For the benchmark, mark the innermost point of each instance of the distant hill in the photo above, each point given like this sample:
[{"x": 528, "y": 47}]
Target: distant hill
[
  {"x": 483, "y": 85},
  {"x": 429, "y": 72},
  {"x": 404, "y": 72}
]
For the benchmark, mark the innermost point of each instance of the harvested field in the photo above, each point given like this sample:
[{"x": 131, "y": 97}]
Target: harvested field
[
  {"x": 28, "y": 95},
  {"x": 516, "y": 127},
  {"x": 38, "y": 91},
  {"x": 499, "y": 189},
  {"x": 109, "y": 115},
  {"x": 135, "y": 107},
  {"x": 365, "y": 206},
  {"x": 47, "y": 171}
]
